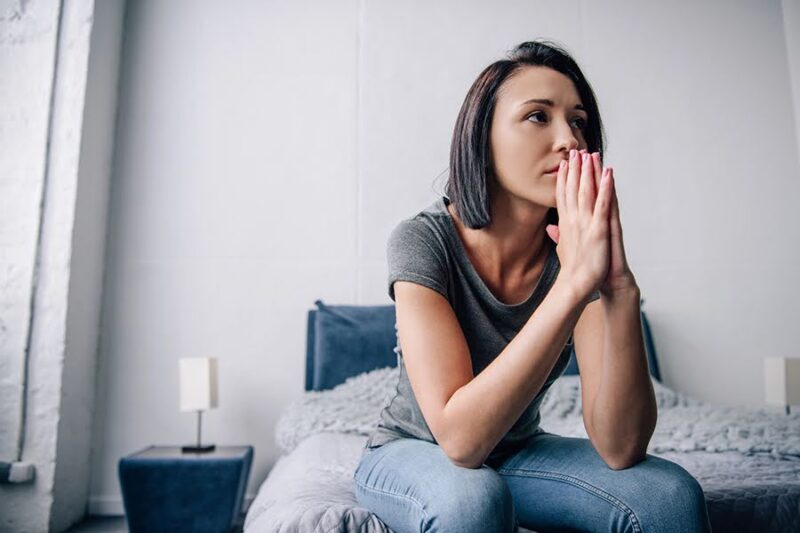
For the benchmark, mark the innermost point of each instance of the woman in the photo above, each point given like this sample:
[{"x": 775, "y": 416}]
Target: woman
[{"x": 490, "y": 282}]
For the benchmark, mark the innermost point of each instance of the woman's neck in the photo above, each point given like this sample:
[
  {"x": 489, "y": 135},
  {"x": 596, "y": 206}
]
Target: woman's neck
[{"x": 513, "y": 244}]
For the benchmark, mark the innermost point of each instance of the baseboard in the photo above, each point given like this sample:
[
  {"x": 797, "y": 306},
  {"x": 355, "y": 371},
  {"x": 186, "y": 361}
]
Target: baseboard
[
  {"x": 106, "y": 506},
  {"x": 112, "y": 505}
]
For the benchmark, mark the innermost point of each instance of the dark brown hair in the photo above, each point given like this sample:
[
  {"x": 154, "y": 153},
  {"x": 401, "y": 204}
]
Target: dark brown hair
[{"x": 467, "y": 184}]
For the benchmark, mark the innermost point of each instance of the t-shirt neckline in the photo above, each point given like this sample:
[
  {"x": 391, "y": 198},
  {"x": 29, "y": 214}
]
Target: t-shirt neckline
[{"x": 473, "y": 273}]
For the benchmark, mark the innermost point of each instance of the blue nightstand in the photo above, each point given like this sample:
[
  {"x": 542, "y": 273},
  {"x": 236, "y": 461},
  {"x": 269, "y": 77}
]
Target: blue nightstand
[{"x": 164, "y": 489}]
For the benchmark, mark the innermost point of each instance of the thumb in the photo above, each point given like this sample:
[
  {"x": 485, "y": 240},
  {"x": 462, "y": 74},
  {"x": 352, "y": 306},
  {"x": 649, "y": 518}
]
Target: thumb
[{"x": 553, "y": 232}]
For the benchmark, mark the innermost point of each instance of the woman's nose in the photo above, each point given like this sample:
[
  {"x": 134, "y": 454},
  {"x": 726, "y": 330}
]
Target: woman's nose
[
  {"x": 567, "y": 144},
  {"x": 565, "y": 139}
]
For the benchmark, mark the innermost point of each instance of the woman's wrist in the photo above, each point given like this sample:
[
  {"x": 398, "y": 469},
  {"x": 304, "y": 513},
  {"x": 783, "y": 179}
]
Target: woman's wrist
[
  {"x": 571, "y": 292},
  {"x": 630, "y": 292}
]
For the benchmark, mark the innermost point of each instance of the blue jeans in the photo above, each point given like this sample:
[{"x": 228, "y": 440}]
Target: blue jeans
[{"x": 553, "y": 483}]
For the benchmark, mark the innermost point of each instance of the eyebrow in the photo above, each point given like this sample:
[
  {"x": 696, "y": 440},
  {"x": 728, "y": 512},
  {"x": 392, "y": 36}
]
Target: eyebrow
[{"x": 546, "y": 101}]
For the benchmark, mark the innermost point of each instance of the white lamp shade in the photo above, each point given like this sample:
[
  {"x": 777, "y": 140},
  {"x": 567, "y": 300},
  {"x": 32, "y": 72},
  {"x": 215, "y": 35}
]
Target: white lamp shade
[
  {"x": 782, "y": 380},
  {"x": 198, "y": 383}
]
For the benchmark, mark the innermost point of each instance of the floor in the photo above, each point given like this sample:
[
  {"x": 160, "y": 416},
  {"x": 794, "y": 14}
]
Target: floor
[
  {"x": 111, "y": 524},
  {"x": 101, "y": 524}
]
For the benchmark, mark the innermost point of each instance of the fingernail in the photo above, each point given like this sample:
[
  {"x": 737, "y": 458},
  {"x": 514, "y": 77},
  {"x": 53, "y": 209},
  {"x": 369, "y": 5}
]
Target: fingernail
[
  {"x": 572, "y": 153},
  {"x": 585, "y": 157}
]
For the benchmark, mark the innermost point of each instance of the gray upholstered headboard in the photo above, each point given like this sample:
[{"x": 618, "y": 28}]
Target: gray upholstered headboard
[{"x": 346, "y": 340}]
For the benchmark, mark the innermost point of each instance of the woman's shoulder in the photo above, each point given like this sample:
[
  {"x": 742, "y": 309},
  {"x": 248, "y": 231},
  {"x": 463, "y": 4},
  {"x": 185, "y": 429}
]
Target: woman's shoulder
[
  {"x": 417, "y": 251},
  {"x": 415, "y": 234},
  {"x": 427, "y": 226}
]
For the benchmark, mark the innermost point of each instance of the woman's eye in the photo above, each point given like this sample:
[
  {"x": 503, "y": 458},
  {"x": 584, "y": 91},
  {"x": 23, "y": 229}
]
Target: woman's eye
[
  {"x": 536, "y": 114},
  {"x": 580, "y": 123}
]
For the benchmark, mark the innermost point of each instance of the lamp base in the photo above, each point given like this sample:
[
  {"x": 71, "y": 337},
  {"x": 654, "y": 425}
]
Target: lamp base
[{"x": 198, "y": 449}]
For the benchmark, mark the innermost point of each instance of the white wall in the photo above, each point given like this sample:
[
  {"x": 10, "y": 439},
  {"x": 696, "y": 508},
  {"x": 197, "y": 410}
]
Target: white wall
[
  {"x": 233, "y": 207},
  {"x": 25, "y": 114},
  {"x": 57, "y": 108},
  {"x": 28, "y": 38},
  {"x": 791, "y": 26},
  {"x": 264, "y": 152},
  {"x": 87, "y": 239}
]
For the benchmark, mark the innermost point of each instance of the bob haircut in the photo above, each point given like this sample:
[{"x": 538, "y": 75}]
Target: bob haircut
[{"x": 467, "y": 184}]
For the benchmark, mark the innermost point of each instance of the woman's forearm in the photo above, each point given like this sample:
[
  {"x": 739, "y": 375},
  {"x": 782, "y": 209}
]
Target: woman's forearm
[
  {"x": 624, "y": 410},
  {"x": 481, "y": 412}
]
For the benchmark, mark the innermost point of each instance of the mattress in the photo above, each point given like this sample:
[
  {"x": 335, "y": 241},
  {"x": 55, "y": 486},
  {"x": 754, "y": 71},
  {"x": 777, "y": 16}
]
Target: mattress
[
  {"x": 747, "y": 460},
  {"x": 311, "y": 490},
  {"x": 746, "y": 493}
]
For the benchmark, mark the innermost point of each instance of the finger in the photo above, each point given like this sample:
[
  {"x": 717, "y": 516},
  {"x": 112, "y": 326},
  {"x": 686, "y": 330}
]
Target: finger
[
  {"x": 604, "y": 201},
  {"x": 586, "y": 194},
  {"x": 598, "y": 169},
  {"x": 553, "y": 232},
  {"x": 615, "y": 222},
  {"x": 573, "y": 175},
  {"x": 615, "y": 226},
  {"x": 561, "y": 180}
]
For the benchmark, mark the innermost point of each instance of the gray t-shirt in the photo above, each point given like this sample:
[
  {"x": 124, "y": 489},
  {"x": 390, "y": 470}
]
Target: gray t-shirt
[{"x": 427, "y": 249}]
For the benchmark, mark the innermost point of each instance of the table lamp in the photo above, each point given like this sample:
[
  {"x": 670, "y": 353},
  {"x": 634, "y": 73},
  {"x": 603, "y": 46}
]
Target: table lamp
[
  {"x": 198, "y": 391},
  {"x": 782, "y": 381}
]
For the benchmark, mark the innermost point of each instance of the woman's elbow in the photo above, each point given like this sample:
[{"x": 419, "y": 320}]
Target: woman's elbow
[
  {"x": 463, "y": 456},
  {"x": 467, "y": 463},
  {"x": 621, "y": 463}
]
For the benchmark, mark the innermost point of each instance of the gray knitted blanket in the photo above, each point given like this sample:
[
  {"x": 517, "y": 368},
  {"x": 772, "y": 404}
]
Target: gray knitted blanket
[{"x": 684, "y": 423}]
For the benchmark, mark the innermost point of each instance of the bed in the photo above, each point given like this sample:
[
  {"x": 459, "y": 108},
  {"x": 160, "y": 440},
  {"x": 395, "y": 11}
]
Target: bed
[{"x": 747, "y": 460}]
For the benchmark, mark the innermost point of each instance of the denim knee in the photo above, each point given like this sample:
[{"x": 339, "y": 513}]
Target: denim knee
[
  {"x": 677, "y": 496},
  {"x": 478, "y": 502},
  {"x": 681, "y": 486}
]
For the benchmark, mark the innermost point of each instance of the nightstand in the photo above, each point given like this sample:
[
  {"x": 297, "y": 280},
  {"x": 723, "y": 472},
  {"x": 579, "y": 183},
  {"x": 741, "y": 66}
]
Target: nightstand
[{"x": 164, "y": 489}]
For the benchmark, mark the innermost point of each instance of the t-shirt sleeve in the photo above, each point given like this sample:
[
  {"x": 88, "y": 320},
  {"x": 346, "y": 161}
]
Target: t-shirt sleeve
[{"x": 414, "y": 253}]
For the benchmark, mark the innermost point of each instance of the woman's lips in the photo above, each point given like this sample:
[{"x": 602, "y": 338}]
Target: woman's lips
[{"x": 553, "y": 170}]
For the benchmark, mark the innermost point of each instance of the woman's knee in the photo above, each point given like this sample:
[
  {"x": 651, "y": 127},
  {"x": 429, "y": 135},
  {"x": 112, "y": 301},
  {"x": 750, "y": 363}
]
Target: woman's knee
[
  {"x": 413, "y": 486},
  {"x": 675, "y": 483},
  {"x": 677, "y": 497},
  {"x": 474, "y": 500}
]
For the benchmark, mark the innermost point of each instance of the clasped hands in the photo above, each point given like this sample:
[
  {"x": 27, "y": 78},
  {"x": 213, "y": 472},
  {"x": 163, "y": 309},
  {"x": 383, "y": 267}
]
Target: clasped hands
[{"x": 589, "y": 221}]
